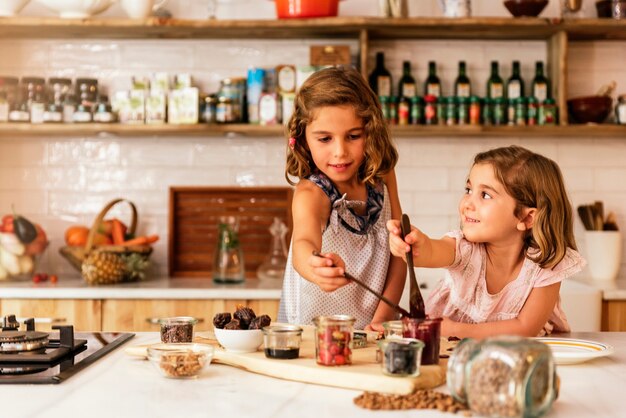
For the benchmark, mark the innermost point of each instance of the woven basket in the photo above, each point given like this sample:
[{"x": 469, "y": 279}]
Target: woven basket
[{"x": 131, "y": 261}]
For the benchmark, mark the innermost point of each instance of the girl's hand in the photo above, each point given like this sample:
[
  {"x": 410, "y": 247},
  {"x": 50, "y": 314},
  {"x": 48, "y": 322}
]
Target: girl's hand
[
  {"x": 448, "y": 328},
  {"x": 398, "y": 245},
  {"x": 375, "y": 327},
  {"x": 328, "y": 270}
]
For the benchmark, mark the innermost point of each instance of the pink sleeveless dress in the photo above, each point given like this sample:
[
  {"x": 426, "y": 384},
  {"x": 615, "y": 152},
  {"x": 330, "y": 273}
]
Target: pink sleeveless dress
[{"x": 463, "y": 297}]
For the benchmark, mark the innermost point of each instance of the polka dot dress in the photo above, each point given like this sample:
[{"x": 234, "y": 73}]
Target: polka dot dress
[{"x": 362, "y": 244}]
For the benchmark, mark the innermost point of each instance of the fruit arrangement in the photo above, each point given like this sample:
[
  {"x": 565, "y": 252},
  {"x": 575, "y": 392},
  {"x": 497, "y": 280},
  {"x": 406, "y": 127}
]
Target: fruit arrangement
[
  {"x": 21, "y": 241},
  {"x": 108, "y": 252}
]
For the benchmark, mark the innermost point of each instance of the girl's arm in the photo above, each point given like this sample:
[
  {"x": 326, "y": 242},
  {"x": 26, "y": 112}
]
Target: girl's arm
[
  {"x": 529, "y": 322},
  {"x": 427, "y": 252},
  {"x": 396, "y": 273},
  {"x": 310, "y": 211}
]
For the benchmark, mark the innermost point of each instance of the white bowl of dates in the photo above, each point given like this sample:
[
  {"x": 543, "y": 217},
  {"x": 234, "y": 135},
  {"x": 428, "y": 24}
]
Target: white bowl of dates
[
  {"x": 401, "y": 356},
  {"x": 180, "y": 360},
  {"x": 241, "y": 332},
  {"x": 177, "y": 329},
  {"x": 282, "y": 341}
]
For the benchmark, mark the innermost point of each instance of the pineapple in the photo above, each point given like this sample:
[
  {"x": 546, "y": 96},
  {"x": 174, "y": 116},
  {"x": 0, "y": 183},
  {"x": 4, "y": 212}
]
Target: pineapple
[{"x": 103, "y": 268}]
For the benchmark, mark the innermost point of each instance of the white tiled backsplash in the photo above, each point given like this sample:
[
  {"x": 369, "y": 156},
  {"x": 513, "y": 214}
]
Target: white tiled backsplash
[{"x": 60, "y": 182}]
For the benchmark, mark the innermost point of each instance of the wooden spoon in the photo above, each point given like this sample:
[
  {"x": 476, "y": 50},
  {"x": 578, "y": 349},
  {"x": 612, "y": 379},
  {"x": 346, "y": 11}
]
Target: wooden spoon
[{"x": 416, "y": 301}]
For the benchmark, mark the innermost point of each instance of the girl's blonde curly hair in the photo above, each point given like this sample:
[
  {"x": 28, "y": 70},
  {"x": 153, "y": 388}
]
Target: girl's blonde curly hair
[
  {"x": 338, "y": 86},
  {"x": 535, "y": 181}
]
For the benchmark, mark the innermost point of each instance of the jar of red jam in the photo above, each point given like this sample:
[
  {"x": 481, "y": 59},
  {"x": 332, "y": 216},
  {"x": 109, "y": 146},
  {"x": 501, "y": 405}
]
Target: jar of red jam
[
  {"x": 428, "y": 331},
  {"x": 333, "y": 339}
]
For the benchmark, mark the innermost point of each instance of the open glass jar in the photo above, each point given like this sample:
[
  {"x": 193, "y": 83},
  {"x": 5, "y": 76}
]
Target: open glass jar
[
  {"x": 178, "y": 329},
  {"x": 503, "y": 376},
  {"x": 282, "y": 341},
  {"x": 428, "y": 331},
  {"x": 333, "y": 339},
  {"x": 401, "y": 356}
]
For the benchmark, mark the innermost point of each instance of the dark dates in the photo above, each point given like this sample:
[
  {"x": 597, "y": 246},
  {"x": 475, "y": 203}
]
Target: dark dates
[
  {"x": 234, "y": 324},
  {"x": 260, "y": 321},
  {"x": 245, "y": 316},
  {"x": 221, "y": 319}
]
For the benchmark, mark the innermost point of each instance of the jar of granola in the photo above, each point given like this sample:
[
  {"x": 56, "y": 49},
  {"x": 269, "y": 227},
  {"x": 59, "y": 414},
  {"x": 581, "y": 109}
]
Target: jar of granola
[{"x": 503, "y": 376}]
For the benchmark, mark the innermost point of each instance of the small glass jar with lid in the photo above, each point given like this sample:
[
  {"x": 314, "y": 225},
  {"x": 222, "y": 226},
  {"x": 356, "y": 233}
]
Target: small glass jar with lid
[
  {"x": 282, "y": 341},
  {"x": 333, "y": 339},
  {"x": 82, "y": 114},
  {"x": 401, "y": 357},
  {"x": 208, "y": 109},
  {"x": 103, "y": 113},
  {"x": 225, "y": 110},
  {"x": 503, "y": 376}
]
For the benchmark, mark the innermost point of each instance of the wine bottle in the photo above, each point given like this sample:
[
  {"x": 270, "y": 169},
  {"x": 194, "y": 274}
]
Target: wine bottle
[
  {"x": 380, "y": 78},
  {"x": 462, "y": 87},
  {"x": 432, "y": 86},
  {"x": 495, "y": 87},
  {"x": 515, "y": 84},
  {"x": 541, "y": 84},
  {"x": 406, "y": 87}
]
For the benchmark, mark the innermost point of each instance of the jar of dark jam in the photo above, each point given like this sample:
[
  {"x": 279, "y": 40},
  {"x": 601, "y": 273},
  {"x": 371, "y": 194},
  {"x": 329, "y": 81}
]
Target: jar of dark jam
[
  {"x": 428, "y": 331},
  {"x": 87, "y": 91},
  {"x": 282, "y": 341}
]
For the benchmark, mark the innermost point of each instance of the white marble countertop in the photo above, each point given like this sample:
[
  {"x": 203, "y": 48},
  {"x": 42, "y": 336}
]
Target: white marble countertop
[
  {"x": 611, "y": 289},
  {"x": 122, "y": 386},
  {"x": 161, "y": 288}
]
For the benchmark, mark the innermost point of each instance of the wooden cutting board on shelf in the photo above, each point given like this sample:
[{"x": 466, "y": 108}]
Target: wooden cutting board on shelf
[
  {"x": 194, "y": 214},
  {"x": 364, "y": 373}
]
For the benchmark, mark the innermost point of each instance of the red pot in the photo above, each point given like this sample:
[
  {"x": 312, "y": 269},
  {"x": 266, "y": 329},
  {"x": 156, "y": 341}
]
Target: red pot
[{"x": 289, "y": 9}]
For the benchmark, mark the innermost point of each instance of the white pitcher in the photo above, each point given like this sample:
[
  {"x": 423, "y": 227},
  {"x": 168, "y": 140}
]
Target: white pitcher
[
  {"x": 141, "y": 9},
  {"x": 456, "y": 8}
]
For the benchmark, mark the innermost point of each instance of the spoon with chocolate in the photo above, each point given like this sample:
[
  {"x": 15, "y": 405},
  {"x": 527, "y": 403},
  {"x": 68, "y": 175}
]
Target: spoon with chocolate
[{"x": 416, "y": 302}]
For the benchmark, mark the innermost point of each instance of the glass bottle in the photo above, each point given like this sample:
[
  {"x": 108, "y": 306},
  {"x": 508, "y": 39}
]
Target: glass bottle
[
  {"x": 495, "y": 87},
  {"x": 406, "y": 87},
  {"x": 274, "y": 265},
  {"x": 380, "y": 78},
  {"x": 462, "y": 86},
  {"x": 515, "y": 84},
  {"x": 228, "y": 264},
  {"x": 503, "y": 376},
  {"x": 432, "y": 86},
  {"x": 541, "y": 84}
]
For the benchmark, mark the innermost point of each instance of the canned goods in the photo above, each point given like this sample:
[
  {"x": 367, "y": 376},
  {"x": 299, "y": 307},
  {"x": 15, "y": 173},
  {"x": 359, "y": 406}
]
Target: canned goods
[
  {"x": 474, "y": 110},
  {"x": 333, "y": 339},
  {"x": 499, "y": 111},
  {"x": 393, "y": 110},
  {"x": 532, "y": 111},
  {"x": 441, "y": 110},
  {"x": 404, "y": 110},
  {"x": 430, "y": 110},
  {"x": 463, "y": 114},
  {"x": 510, "y": 111},
  {"x": 450, "y": 109},
  {"x": 548, "y": 112},
  {"x": 520, "y": 111},
  {"x": 417, "y": 110},
  {"x": 488, "y": 111}
]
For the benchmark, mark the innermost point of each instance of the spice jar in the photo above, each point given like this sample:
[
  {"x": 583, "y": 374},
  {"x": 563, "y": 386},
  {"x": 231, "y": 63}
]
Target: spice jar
[
  {"x": 503, "y": 376},
  {"x": 620, "y": 110},
  {"x": 82, "y": 114},
  {"x": 224, "y": 110},
  {"x": 282, "y": 341},
  {"x": 178, "y": 329},
  {"x": 103, "y": 113},
  {"x": 333, "y": 339},
  {"x": 427, "y": 330},
  {"x": 401, "y": 357}
]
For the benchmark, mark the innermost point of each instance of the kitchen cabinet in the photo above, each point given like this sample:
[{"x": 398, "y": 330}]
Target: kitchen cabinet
[
  {"x": 557, "y": 34},
  {"x": 84, "y": 314},
  {"x": 142, "y": 315},
  {"x": 614, "y": 315}
]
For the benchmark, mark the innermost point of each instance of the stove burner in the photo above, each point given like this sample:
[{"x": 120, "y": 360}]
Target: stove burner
[{"x": 15, "y": 341}]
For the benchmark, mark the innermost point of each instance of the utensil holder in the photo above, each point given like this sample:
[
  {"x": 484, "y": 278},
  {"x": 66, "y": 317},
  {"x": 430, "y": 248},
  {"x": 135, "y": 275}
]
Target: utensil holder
[{"x": 604, "y": 254}]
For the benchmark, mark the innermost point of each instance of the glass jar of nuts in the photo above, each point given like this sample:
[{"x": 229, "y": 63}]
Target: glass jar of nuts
[{"x": 503, "y": 376}]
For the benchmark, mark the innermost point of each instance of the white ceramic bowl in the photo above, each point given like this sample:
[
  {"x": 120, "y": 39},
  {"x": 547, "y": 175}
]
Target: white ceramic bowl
[
  {"x": 12, "y": 7},
  {"x": 77, "y": 9},
  {"x": 239, "y": 340}
]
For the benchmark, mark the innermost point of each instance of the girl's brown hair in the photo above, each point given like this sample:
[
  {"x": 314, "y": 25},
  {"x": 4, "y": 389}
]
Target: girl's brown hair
[
  {"x": 338, "y": 86},
  {"x": 535, "y": 181}
]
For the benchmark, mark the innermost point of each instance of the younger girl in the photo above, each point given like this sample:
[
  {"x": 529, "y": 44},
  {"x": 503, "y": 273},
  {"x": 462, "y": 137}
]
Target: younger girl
[
  {"x": 340, "y": 151},
  {"x": 515, "y": 246}
]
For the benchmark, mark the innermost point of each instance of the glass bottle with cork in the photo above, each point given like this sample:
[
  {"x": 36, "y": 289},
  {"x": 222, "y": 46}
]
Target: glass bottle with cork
[
  {"x": 406, "y": 87},
  {"x": 380, "y": 78},
  {"x": 432, "y": 86},
  {"x": 541, "y": 84},
  {"x": 495, "y": 88},
  {"x": 462, "y": 85}
]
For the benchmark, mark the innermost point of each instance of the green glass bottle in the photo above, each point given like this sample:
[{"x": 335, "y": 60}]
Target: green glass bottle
[
  {"x": 495, "y": 85},
  {"x": 541, "y": 84},
  {"x": 380, "y": 78},
  {"x": 406, "y": 87},
  {"x": 462, "y": 86},
  {"x": 432, "y": 86},
  {"x": 515, "y": 84}
]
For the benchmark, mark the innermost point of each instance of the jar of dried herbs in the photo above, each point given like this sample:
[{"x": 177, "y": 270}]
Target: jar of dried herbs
[{"x": 503, "y": 377}]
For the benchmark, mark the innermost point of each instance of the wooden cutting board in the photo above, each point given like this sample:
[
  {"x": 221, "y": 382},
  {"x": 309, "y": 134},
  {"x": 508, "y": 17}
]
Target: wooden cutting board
[{"x": 364, "y": 373}]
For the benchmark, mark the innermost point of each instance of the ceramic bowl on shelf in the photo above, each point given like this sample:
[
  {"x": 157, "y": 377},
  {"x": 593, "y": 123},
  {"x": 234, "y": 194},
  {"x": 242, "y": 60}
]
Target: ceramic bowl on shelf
[
  {"x": 11, "y": 7},
  {"x": 239, "y": 340},
  {"x": 529, "y": 8},
  {"x": 77, "y": 9},
  {"x": 590, "y": 109},
  {"x": 289, "y": 9}
]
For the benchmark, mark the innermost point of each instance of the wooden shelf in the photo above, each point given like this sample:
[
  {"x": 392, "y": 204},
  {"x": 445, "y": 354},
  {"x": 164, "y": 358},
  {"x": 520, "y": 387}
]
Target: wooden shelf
[
  {"x": 339, "y": 27},
  {"x": 10, "y": 130}
]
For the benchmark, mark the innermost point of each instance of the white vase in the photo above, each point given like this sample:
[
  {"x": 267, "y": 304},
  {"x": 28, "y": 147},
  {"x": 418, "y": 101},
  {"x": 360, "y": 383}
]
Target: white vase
[{"x": 604, "y": 254}]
